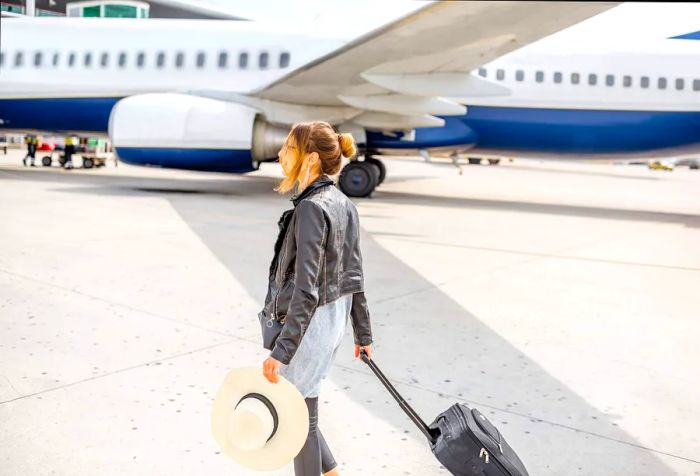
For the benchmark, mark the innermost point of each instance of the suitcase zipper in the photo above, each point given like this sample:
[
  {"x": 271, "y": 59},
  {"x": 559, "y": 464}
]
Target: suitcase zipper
[
  {"x": 487, "y": 433},
  {"x": 476, "y": 440},
  {"x": 483, "y": 453}
]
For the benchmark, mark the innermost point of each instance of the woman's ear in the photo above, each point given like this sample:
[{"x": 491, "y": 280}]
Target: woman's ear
[{"x": 314, "y": 158}]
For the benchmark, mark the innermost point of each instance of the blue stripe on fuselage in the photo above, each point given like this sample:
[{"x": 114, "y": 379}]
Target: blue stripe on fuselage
[
  {"x": 57, "y": 114},
  {"x": 565, "y": 131},
  {"x": 207, "y": 160},
  {"x": 571, "y": 131}
]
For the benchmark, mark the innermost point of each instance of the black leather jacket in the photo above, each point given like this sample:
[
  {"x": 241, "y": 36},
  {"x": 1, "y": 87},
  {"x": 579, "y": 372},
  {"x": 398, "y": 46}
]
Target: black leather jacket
[{"x": 317, "y": 260}]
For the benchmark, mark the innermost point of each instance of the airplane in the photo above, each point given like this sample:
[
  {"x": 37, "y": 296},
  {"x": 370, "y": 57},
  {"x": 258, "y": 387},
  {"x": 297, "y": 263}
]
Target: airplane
[{"x": 449, "y": 77}]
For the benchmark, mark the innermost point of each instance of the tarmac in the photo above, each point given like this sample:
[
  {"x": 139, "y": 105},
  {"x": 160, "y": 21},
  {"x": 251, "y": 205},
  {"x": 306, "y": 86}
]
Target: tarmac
[{"x": 560, "y": 299}]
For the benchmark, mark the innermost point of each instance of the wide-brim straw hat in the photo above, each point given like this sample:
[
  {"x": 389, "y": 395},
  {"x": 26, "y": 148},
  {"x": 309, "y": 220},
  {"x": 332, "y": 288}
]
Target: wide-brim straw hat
[{"x": 260, "y": 424}]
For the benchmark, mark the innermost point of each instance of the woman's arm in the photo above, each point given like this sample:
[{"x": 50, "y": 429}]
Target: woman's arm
[
  {"x": 359, "y": 315},
  {"x": 310, "y": 233}
]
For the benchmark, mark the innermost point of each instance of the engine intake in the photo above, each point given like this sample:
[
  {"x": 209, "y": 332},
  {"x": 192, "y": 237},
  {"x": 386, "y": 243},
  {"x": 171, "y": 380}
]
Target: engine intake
[{"x": 191, "y": 132}]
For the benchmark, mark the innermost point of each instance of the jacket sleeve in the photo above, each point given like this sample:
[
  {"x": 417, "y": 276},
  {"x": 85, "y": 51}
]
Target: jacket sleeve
[
  {"x": 310, "y": 232},
  {"x": 359, "y": 316}
]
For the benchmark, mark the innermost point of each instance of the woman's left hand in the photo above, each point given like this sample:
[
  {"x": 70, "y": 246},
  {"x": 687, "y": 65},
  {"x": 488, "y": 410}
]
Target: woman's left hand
[
  {"x": 270, "y": 368},
  {"x": 366, "y": 348}
]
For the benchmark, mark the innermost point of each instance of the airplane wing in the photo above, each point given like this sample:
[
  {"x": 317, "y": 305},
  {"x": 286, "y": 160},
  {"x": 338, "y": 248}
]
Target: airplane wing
[{"x": 400, "y": 75}]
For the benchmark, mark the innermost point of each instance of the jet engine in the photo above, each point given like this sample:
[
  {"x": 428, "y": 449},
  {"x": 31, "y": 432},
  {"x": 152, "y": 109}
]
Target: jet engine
[{"x": 191, "y": 132}]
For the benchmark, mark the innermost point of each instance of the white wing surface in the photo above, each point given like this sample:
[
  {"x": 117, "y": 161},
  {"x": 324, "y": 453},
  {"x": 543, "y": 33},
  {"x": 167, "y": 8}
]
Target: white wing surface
[{"x": 402, "y": 74}]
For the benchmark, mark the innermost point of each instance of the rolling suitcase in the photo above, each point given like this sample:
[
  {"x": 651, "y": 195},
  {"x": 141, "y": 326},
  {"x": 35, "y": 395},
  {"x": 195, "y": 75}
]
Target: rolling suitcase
[{"x": 462, "y": 439}]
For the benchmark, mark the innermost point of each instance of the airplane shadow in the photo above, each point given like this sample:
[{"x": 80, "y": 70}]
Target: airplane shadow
[
  {"x": 688, "y": 220},
  {"x": 250, "y": 185},
  {"x": 446, "y": 341},
  {"x": 219, "y": 213}
]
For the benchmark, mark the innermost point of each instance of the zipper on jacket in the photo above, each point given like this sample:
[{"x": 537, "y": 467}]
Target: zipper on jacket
[
  {"x": 274, "y": 304},
  {"x": 280, "y": 261}
]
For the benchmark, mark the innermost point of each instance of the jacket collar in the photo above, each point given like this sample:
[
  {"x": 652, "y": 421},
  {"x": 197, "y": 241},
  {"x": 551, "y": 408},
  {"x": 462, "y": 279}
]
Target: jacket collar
[{"x": 321, "y": 181}]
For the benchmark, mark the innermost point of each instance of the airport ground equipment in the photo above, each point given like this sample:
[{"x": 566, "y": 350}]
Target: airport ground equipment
[
  {"x": 462, "y": 439},
  {"x": 95, "y": 153},
  {"x": 660, "y": 165}
]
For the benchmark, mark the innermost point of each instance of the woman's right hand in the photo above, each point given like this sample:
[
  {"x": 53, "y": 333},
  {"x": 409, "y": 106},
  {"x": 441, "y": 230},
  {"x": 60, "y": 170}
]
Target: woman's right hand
[{"x": 367, "y": 348}]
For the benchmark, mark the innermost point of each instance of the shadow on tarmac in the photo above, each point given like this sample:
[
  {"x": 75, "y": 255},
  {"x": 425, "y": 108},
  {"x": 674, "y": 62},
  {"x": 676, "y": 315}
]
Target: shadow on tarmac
[
  {"x": 475, "y": 364},
  {"x": 249, "y": 186}
]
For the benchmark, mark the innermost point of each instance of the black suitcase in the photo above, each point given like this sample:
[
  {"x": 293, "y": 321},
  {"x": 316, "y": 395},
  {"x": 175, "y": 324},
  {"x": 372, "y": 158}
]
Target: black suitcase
[{"x": 462, "y": 439}]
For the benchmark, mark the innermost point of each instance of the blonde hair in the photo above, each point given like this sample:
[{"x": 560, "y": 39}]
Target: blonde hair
[{"x": 322, "y": 138}]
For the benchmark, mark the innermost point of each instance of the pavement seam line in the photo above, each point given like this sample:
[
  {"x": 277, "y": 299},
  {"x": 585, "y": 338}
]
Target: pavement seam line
[
  {"x": 523, "y": 415},
  {"x": 124, "y": 369},
  {"x": 113, "y": 303},
  {"x": 438, "y": 285},
  {"x": 543, "y": 255},
  {"x": 9, "y": 382}
]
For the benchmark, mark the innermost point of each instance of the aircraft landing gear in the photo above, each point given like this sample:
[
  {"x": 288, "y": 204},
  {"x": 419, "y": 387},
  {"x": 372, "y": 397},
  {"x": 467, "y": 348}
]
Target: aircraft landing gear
[
  {"x": 380, "y": 166},
  {"x": 360, "y": 178}
]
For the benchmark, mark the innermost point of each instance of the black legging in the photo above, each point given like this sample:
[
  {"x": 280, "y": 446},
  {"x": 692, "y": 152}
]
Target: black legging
[{"x": 315, "y": 457}]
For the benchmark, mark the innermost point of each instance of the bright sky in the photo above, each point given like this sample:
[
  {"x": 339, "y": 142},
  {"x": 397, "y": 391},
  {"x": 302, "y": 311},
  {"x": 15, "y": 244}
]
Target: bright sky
[
  {"x": 627, "y": 24},
  {"x": 330, "y": 18}
]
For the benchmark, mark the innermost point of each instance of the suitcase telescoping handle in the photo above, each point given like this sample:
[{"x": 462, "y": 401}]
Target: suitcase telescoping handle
[{"x": 402, "y": 403}]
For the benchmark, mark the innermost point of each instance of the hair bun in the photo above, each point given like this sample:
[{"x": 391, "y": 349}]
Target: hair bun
[{"x": 347, "y": 145}]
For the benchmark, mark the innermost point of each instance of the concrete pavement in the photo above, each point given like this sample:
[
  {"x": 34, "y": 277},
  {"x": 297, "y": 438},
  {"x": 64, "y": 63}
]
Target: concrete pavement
[{"x": 560, "y": 299}]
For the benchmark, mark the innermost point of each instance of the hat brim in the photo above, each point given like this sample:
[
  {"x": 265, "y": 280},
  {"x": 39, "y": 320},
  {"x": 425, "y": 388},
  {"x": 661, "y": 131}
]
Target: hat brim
[{"x": 293, "y": 418}]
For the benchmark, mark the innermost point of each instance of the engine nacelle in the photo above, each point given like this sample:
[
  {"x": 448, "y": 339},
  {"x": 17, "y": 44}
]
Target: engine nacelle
[{"x": 191, "y": 132}]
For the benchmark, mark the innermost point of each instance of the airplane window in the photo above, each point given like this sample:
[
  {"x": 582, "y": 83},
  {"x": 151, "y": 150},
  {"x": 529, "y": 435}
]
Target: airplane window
[
  {"x": 696, "y": 85},
  {"x": 519, "y": 75},
  {"x": 2, "y": 58},
  {"x": 140, "y": 59},
  {"x": 575, "y": 78},
  {"x": 160, "y": 59},
  {"x": 55, "y": 59},
  {"x": 243, "y": 60},
  {"x": 661, "y": 84},
  {"x": 627, "y": 81},
  {"x": 482, "y": 72},
  {"x": 19, "y": 58},
  {"x": 179, "y": 59},
  {"x": 71, "y": 59},
  {"x": 539, "y": 76},
  {"x": 500, "y": 74},
  {"x": 200, "y": 59},
  {"x": 104, "y": 59},
  {"x": 557, "y": 77},
  {"x": 122, "y": 59},
  {"x": 680, "y": 84},
  {"x": 262, "y": 60},
  {"x": 609, "y": 80},
  {"x": 223, "y": 59},
  {"x": 284, "y": 60},
  {"x": 644, "y": 82},
  {"x": 592, "y": 79},
  {"x": 87, "y": 59},
  {"x": 37, "y": 58}
]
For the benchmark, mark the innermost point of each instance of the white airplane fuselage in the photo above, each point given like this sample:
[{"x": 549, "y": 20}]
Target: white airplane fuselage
[{"x": 65, "y": 74}]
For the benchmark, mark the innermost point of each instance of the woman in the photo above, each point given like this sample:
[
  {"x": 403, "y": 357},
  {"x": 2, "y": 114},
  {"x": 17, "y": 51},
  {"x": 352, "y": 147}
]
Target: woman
[{"x": 318, "y": 278}]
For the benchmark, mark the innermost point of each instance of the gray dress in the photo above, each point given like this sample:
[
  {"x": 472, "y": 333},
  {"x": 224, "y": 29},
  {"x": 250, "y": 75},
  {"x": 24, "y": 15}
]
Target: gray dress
[{"x": 314, "y": 356}]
